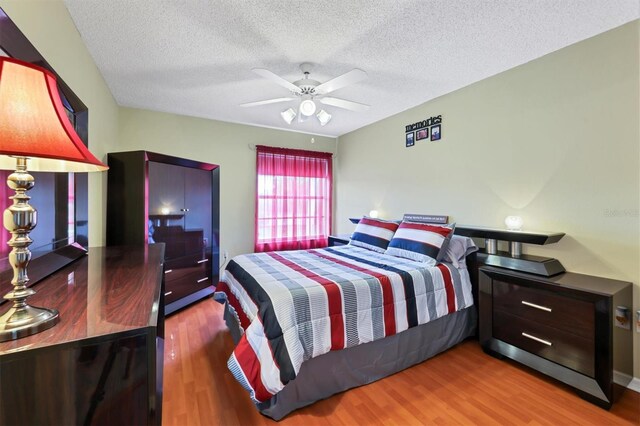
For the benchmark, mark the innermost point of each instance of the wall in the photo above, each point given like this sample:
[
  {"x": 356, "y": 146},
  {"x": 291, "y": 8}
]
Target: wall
[
  {"x": 555, "y": 141},
  {"x": 49, "y": 28},
  {"x": 217, "y": 142}
]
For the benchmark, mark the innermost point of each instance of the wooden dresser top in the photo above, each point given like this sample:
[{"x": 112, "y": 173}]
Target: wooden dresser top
[{"x": 111, "y": 290}]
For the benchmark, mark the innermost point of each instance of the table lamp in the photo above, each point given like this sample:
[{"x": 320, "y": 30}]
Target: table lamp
[{"x": 34, "y": 132}]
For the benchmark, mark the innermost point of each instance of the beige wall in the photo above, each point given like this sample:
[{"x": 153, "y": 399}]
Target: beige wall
[
  {"x": 555, "y": 141},
  {"x": 217, "y": 142},
  {"x": 49, "y": 28}
]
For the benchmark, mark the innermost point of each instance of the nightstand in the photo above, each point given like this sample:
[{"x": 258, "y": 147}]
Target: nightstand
[
  {"x": 339, "y": 240},
  {"x": 562, "y": 326}
]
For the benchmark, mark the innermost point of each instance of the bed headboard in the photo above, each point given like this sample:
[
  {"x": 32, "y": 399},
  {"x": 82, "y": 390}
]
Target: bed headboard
[{"x": 413, "y": 217}]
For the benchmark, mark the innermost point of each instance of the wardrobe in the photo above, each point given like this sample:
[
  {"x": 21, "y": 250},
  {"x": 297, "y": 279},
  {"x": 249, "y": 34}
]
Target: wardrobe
[{"x": 156, "y": 198}]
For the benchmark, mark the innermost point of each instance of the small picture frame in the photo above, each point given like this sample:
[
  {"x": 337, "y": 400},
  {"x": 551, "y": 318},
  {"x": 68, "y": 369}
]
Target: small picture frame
[
  {"x": 422, "y": 134},
  {"x": 435, "y": 133},
  {"x": 410, "y": 139}
]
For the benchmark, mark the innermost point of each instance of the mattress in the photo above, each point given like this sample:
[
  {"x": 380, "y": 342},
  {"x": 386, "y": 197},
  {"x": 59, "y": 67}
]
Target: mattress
[{"x": 294, "y": 307}]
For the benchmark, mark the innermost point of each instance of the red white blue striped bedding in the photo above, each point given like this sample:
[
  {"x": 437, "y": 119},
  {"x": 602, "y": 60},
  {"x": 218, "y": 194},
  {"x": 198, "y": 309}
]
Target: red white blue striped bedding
[{"x": 297, "y": 305}]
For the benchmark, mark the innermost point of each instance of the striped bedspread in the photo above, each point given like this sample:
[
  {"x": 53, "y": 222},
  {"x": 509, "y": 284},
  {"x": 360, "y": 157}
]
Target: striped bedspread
[{"x": 297, "y": 305}]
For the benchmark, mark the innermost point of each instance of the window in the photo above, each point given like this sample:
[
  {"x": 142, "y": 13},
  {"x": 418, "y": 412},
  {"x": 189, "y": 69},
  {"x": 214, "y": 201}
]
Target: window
[{"x": 293, "y": 199}]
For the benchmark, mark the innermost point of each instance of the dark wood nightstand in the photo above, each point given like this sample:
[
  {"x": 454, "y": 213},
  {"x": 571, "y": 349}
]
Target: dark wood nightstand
[
  {"x": 562, "y": 326},
  {"x": 339, "y": 240}
]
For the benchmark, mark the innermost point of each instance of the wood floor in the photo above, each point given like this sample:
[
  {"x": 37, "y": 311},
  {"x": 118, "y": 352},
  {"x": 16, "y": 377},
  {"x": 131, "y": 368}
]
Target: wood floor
[{"x": 461, "y": 386}]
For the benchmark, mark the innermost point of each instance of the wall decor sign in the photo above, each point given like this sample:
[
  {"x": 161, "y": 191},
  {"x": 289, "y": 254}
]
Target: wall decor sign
[
  {"x": 426, "y": 218},
  {"x": 421, "y": 130}
]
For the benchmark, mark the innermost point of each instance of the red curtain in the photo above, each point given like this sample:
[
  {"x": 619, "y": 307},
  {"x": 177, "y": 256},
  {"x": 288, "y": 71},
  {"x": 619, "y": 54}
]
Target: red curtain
[{"x": 293, "y": 199}]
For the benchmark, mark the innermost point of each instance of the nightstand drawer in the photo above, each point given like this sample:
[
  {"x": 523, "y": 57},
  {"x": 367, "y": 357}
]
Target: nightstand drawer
[
  {"x": 551, "y": 309},
  {"x": 556, "y": 345}
]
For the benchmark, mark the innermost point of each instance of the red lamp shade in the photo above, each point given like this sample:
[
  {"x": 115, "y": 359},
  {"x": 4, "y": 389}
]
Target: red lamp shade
[{"x": 33, "y": 123}]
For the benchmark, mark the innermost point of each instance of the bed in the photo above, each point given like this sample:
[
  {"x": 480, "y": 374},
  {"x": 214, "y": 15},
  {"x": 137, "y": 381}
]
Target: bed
[{"x": 311, "y": 323}]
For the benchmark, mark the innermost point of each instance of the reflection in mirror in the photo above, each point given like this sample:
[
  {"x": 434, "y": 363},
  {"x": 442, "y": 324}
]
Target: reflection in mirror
[
  {"x": 54, "y": 202},
  {"x": 59, "y": 198}
]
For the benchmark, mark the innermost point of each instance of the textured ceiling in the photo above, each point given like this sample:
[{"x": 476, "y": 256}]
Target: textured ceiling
[{"x": 194, "y": 57}]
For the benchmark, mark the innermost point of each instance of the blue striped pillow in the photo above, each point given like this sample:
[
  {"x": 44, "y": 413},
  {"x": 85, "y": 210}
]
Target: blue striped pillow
[
  {"x": 420, "y": 241},
  {"x": 373, "y": 234}
]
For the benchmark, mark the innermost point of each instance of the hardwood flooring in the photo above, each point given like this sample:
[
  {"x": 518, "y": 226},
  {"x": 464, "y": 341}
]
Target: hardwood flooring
[{"x": 461, "y": 386}]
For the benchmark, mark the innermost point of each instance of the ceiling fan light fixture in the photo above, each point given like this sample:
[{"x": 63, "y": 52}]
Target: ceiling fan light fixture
[
  {"x": 308, "y": 91},
  {"x": 323, "y": 117},
  {"x": 307, "y": 107},
  {"x": 288, "y": 115}
]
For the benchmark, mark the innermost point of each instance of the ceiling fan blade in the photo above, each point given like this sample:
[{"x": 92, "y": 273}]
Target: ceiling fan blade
[
  {"x": 276, "y": 79},
  {"x": 266, "y": 102},
  {"x": 351, "y": 77},
  {"x": 341, "y": 103}
]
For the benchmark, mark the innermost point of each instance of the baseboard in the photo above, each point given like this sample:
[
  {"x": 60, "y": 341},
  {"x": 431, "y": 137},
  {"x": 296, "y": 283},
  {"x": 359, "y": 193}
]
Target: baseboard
[
  {"x": 630, "y": 382},
  {"x": 634, "y": 384}
]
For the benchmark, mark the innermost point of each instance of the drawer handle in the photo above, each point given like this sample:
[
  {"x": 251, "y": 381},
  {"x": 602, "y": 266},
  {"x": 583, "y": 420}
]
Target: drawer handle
[
  {"x": 168, "y": 293},
  {"x": 203, "y": 260},
  {"x": 203, "y": 279},
  {"x": 537, "y": 339},
  {"x": 168, "y": 271},
  {"x": 533, "y": 305}
]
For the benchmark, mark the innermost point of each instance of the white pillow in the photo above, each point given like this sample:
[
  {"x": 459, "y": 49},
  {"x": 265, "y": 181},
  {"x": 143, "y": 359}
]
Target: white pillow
[{"x": 459, "y": 247}]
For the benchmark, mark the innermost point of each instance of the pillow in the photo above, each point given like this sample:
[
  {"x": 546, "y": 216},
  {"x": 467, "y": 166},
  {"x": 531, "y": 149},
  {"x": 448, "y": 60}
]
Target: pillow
[
  {"x": 373, "y": 234},
  {"x": 420, "y": 241},
  {"x": 458, "y": 248}
]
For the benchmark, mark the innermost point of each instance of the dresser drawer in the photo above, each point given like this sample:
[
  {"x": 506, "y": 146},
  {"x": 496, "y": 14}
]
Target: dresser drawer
[
  {"x": 187, "y": 282},
  {"x": 556, "y": 345},
  {"x": 545, "y": 307},
  {"x": 186, "y": 275},
  {"x": 195, "y": 260}
]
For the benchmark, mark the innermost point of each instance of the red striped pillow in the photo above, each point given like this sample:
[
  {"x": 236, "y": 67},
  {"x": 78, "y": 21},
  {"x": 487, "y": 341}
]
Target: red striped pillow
[
  {"x": 420, "y": 241},
  {"x": 373, "y": 234}
]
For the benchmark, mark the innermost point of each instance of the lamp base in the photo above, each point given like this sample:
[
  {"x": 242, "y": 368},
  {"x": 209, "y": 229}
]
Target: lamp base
[{"x": 25, "y": 321}]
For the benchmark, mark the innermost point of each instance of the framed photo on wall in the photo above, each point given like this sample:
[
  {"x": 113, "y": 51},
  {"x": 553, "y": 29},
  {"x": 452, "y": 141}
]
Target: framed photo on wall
[
  {"x": 422, "y": 134},
  {"x": 435, "y": 133},
  {"x": 410, "y": 139}
]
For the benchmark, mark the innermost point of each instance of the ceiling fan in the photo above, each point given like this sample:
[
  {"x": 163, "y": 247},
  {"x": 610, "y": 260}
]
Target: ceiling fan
[{"x": 309, "y": 91}]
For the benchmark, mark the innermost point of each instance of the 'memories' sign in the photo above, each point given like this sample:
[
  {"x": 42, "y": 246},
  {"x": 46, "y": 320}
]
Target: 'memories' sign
[{"x": 429, "y": 129}]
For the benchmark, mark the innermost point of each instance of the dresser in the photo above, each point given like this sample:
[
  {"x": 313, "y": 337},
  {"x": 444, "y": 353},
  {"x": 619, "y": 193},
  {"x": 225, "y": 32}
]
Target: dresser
[
  {"x": 562, "y": 326},
  {"x": 159, "y": 198},
  {"x": 102, "y": 363}
]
